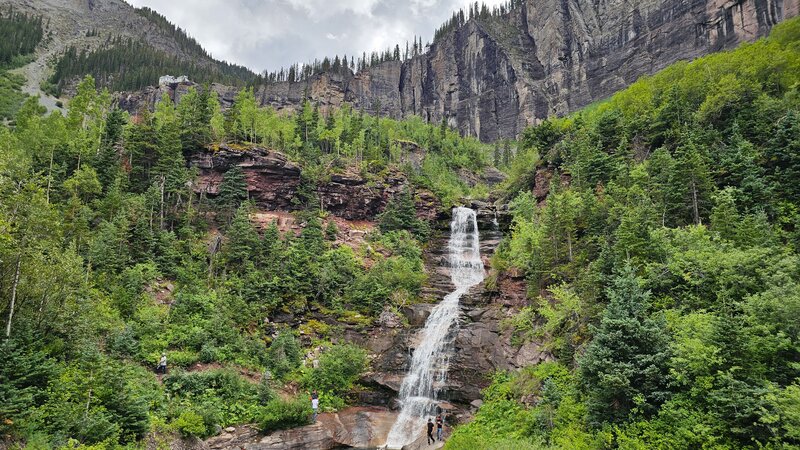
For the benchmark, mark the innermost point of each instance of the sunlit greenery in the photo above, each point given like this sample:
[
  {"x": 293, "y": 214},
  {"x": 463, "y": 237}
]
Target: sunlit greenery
[{"x": 663, "y": 276}]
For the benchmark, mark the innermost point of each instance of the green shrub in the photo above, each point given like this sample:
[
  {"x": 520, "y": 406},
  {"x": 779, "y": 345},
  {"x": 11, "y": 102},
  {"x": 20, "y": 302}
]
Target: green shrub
[
  {"x": 223, "y": 383},
  {"x": 180, "y": 358},
  {"x": 189, "y": 423},
  {"x": 339, "y": 367},
  {"x": 284, "y": 354},
  {"x": 279, "y": 414}
]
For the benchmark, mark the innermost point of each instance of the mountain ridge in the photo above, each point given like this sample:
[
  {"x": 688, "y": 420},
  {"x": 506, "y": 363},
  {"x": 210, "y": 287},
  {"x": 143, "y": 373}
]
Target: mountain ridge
[{"x": 492, "y": 77}]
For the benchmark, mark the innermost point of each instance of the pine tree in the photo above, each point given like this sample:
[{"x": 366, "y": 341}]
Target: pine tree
[
  {"x": 194, "y": 115},
  {"x": 243, "y": 242},
  {"x": 140, "y": 145},
  {"x": 625, "y": 365},
  {"x": 107, "y": 161},
  {"x": 401, "y": 214},
  {"x": 232, "y": 192}
]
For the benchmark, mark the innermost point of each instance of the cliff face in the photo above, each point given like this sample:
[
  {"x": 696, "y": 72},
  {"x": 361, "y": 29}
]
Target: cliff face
[
  {"x": 493, "y": 77},
  {"x": 274, "y": 183}
]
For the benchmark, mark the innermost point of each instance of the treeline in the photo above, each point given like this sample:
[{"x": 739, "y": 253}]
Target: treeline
[
  {"x": 186, "y": 43},
  {"x": 19, "y": 34},
  {"x": 303, "y": 72},
  {"x": 475, "y": 12},
  {"x": 347, "y": 136},
  {"x": 663, "y": 265},
  {"x": 127, "y": 64}
]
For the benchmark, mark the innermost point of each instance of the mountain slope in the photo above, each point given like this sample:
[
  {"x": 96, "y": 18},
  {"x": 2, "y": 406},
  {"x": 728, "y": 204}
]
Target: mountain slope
[
  {"x": 489, "y": 78},
  {"x": 91, "y": 24}
]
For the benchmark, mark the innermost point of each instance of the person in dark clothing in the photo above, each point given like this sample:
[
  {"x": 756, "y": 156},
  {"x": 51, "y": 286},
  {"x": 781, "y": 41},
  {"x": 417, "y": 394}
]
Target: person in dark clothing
[
  {"x": 431, "y": 440},
  {"x": 439, "y": 425}
]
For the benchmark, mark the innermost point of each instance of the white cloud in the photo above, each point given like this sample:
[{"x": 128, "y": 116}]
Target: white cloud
[{"x": 268, "y": 34}]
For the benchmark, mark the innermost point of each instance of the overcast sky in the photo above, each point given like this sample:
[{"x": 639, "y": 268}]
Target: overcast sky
[{"x": 268, "y": 34}]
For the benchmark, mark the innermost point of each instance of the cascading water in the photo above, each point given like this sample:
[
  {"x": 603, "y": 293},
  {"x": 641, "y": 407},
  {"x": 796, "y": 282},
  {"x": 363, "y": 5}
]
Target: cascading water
[{"x": 430, "y": 361}]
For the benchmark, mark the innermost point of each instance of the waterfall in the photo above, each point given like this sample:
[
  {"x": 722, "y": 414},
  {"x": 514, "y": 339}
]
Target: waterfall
[{"x": 430, "y": 361}]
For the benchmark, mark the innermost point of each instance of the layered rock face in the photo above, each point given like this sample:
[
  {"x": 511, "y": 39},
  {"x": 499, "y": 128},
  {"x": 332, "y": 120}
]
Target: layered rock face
[
  {"x": 492, "y": 78},
  {"x": 274, "y": 183}
]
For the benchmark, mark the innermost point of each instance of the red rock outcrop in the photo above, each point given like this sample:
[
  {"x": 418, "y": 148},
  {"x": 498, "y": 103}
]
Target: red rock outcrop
[{"x": 273, "y": 182}]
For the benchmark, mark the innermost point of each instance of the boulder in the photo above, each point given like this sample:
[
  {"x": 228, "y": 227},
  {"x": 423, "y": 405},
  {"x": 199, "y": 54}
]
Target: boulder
[{"x": 359, "y": 427}]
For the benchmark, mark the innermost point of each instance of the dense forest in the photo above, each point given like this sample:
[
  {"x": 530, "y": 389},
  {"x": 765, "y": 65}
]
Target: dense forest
[
  {"x": 662, "y": 268},
  {"x": 105, "y": 263},
  {"x": 21, "y": 34},
  {"x": 125, "y": 64}
]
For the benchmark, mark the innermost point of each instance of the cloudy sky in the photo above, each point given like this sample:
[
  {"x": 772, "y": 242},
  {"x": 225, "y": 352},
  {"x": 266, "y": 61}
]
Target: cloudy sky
[{"x": 268, "y": 34}]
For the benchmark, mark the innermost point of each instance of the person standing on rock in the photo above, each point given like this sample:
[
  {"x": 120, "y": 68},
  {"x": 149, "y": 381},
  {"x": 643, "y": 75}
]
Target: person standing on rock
[
  {"x": 314, "y": 405},
  {"x": 431, "y": 440},
  {"x": 439, "y": 427}
]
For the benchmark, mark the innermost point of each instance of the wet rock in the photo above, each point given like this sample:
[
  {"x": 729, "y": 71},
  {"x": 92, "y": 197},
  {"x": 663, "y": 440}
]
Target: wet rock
[
  {"x": 492, "y": 176},
  {"x": 417, "y": 314}
]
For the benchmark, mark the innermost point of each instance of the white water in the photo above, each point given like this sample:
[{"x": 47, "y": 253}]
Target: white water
[{"x": 429, "y": 364}]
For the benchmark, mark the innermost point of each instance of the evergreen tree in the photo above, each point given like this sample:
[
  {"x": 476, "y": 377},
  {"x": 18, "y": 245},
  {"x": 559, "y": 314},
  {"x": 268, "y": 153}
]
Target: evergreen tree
[
  {"x": 232, "y": 192},
  {"x": 401, "y": 214},
  {"x": 243, "y": 243},
  {"x": 194, "y": 116},
  {"x": 107, "y": 161},
  {"x": 625, "y": 365},
  {"x": 141, "y": 147}
]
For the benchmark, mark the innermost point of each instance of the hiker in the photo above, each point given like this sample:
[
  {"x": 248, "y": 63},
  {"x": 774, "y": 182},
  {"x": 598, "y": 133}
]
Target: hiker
[
  {"x": 439, "y": 425},
  {"x": 162, "y": 364},
  {"x": 431, "y": 440},
  {"x": 314, "y": 405}
]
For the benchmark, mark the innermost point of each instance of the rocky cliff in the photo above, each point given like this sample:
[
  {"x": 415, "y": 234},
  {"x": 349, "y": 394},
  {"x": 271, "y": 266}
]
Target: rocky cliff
[
  {"x": 491, "y": 78},
  {"x": 274, "y": 184}
]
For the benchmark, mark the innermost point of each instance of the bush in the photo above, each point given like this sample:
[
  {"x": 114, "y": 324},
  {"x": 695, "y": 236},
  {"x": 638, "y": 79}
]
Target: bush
[
  {"x": 189, "y": 423},
  {"x": 339, "y": 367},
  {"x": 180, "y": 358},
  {"x": 284, "y": 354},
  {"x": 223, "y": 383},
  {"x": 279, "y": 415}
]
